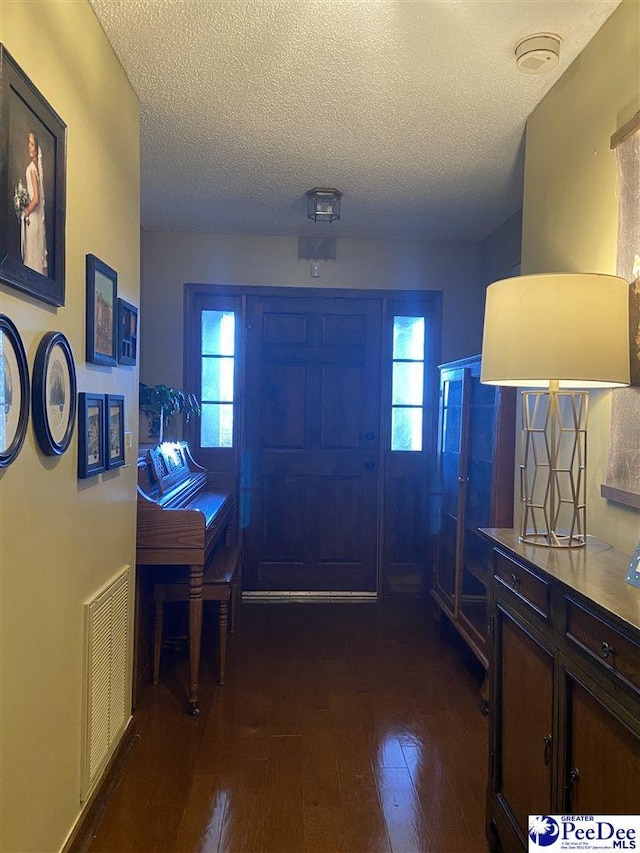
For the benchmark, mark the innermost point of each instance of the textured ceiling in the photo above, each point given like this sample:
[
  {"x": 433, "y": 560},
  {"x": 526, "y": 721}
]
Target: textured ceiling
[{"x": 414, "y": 109}]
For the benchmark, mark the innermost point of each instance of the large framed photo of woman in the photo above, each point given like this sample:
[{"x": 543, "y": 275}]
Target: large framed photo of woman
[{"x": 32, "y": 188}]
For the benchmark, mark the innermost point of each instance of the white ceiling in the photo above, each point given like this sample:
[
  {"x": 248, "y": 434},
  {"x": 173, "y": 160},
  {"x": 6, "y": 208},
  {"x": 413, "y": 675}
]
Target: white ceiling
[{"x": 414, "y": 109}]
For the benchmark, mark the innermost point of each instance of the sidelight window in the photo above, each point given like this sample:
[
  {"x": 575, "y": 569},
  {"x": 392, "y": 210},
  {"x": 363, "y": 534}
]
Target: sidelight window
[
  {"x": 407, "y": 383},
  {"x": 218, "y": 357}
]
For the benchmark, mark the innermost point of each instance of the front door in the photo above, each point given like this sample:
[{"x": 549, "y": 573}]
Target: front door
[{"x": 312, "y": 443}]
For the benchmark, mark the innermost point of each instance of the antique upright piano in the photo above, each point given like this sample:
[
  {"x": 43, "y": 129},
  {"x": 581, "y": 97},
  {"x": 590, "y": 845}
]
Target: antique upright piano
[{"x": 182, "y": 518}]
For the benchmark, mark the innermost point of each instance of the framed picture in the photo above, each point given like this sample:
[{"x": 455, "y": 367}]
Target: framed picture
[
  {"x": 102, "y": 297},
  {"x": 633, "y": 573},
  {"x": 14, "y": 392},
  {"x": 53, "y": 398},
  {"x": 127, "y": 333},
  {"x": 114, "y": 432},
  {"x": 91, "y": 431},
  {"x": 33, "y": 188}
]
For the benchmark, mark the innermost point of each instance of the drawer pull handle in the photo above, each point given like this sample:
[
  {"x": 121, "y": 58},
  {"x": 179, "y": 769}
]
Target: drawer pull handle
[
  {"x": 515, "y": 580},
  {"x": 547, "y": 750},
  {"x": 607, "y": 650}
]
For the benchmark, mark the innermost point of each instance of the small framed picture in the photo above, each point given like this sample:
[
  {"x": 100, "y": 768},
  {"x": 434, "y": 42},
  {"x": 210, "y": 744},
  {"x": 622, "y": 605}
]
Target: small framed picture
[
  {"x": 53, "y": 397},
  {"x": 33, "y": 188},
  {"x": 102, "y": 295},
  {"x": 114, "y": 432},
  {"x": 127, "y": 333},
  {"x": 633, "y": 573},
  {"x": 91, "y": 435},
  {"x": 14, "y": 392}
]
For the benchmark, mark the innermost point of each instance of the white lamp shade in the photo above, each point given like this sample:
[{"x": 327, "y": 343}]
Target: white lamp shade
[{"x": 569, "y": 327}]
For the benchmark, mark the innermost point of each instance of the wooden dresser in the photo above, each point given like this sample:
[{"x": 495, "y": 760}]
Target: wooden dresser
[{"x": 565, "y": 685}]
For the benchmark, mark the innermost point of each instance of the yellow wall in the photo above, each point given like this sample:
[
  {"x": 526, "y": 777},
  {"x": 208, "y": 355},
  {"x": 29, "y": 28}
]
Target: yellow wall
[
  {"x": 170, "y": 260},
  {"x": 61, "y": 538},
  {"x": 570, "y": 218}
]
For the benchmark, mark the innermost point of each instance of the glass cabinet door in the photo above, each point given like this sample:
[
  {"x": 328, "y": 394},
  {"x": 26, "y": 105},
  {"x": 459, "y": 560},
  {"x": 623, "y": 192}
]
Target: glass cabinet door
[
  {"x": 476, "y": 551},
  {"x": 449, "y": 469},
  {"x": 476, "y": 472}
]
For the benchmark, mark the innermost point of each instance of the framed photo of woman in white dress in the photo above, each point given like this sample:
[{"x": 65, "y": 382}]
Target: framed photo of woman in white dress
[{"x": 33, "y": 188}]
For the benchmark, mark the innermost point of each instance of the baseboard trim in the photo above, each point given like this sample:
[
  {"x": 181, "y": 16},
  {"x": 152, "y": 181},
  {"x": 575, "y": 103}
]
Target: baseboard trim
[
  {"x": 297, "y": 597},
  {"x": 82, "y": 833}
]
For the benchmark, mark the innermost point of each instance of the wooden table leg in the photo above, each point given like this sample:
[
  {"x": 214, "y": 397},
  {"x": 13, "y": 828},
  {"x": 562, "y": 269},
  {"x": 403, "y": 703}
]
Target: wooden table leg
[
  {"x": 195, "y": 634},
  {"x": 223, "y": 626}
]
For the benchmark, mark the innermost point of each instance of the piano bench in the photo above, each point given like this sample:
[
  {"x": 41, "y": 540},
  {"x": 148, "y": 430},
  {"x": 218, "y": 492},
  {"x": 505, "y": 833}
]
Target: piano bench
[{"x": 221, "y": 583}]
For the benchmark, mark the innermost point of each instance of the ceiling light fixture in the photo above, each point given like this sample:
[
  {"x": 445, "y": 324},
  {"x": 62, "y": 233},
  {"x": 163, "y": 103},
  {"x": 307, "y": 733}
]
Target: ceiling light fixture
[
  {"x": 323, "y": 204},
  {"x": 538, "y": 53}
]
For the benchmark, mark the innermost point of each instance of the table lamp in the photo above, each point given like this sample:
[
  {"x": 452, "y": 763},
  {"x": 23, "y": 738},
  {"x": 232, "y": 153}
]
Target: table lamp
[{"x": 560, "y": 332}]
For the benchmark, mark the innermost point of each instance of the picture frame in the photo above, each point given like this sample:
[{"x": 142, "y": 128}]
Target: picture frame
[
  {"x": 633, "y": 572},
  {"x": 14, "y": 392},
  {"x": 127, "y": 333},
  {"x": 53, "y": 397},
  {"x": 114, "y": 431},
  {"x": 34, "y": 149},
  {"x": 102, "y": 306},
  {"x": 91, "y": 434}
]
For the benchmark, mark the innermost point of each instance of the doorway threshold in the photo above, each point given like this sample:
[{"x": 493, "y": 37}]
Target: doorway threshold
[{"x": 307, "y": 596}]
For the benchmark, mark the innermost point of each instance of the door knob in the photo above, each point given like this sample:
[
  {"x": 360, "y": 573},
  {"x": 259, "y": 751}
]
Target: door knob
[{"x": 370, "y": 464}]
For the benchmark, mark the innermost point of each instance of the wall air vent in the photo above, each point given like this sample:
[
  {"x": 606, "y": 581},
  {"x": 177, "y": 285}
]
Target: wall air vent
[{"x": 107, "y": 689}]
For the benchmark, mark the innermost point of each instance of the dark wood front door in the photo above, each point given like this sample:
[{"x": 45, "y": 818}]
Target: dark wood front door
[{"x": 312, "y": 456}]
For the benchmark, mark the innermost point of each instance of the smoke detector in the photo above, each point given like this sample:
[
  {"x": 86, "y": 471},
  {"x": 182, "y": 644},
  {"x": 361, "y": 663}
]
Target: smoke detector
[{"x": 538, "y": 53}]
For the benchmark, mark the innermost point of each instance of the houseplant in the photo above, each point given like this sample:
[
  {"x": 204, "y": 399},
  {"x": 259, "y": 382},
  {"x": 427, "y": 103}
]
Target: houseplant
[{"x": 157, "y": 405}]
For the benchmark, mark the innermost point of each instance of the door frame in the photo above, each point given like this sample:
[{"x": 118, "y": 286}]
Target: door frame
[{"x": 394, "y": 576}]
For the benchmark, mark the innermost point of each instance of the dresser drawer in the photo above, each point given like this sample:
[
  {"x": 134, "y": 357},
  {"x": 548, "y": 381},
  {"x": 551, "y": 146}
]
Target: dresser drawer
[
  {"x": 532, "y": 589},
  {"x": 606, "y": 644}
]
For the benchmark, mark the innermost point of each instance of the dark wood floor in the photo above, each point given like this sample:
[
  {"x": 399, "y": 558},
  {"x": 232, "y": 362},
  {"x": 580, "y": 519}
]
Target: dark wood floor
[{"x": 346, "y": 728}]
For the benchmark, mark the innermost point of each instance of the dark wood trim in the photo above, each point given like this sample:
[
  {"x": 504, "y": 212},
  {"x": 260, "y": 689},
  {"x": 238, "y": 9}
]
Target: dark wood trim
[
  {"x": 626, "y": 130},
  {"x": 86, "y": 825},
  {"x": 333, "y": 292},
  {"x": 620, "y": 496}
]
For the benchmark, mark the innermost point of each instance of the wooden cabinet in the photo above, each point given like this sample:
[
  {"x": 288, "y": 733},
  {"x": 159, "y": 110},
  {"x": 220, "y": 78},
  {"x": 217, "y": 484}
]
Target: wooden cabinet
[
  {"x": 564, "y": 688},
  {"x": 476, "y": 437}
]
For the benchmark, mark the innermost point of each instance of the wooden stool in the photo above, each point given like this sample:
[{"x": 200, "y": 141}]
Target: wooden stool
[{"x": 221, "y": 583}]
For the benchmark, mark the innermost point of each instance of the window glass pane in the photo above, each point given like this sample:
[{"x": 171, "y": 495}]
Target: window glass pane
[
  {"x": 408, "y": 337},
  {"x": 216, "y": 425},
  {"x": 217, "y": 379},
  {"x": 218, "y": 333},
  {"x": 407, "y": 384},
  {"x": 406, "y": 429}
]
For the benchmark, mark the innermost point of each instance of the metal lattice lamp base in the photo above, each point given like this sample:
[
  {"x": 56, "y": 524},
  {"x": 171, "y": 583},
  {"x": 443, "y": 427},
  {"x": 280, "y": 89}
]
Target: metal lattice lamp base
[{"x": 553, "y": 469}]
